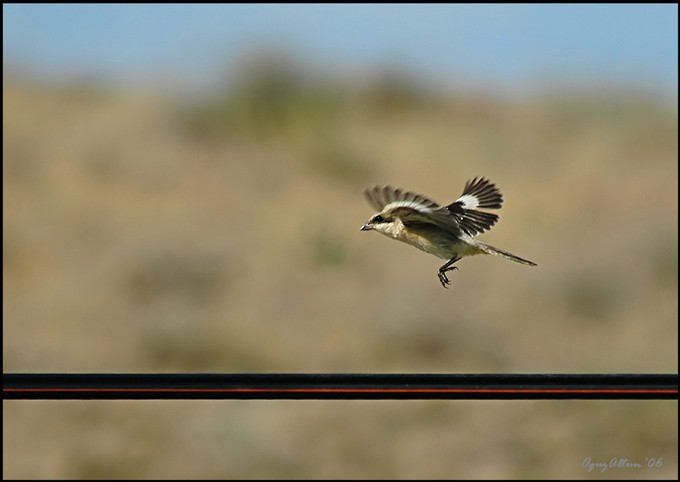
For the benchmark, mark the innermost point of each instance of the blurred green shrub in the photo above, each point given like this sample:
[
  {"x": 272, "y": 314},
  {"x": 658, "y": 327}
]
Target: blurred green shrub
[
  {"x": 393, "y": 93},
  {"x": 338, "y": 161},
  {"x": 270, "y": 100},
  {"x": 328, "y": 249},
  {"x": 193, "y": 277},
  {"x": 592, "y": 298},
  {"x": 274, "y": 97}
]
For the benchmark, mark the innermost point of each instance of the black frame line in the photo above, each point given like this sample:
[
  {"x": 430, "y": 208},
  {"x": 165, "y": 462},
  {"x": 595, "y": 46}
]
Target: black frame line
[{"x": 336, "y": 386}]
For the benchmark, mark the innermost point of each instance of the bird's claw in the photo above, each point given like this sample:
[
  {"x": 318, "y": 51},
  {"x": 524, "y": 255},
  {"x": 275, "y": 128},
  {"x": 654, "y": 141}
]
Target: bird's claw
[{"x": 443, "y": 279}]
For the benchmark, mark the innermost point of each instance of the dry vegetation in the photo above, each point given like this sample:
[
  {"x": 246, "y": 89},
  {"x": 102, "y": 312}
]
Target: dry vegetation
[{"x": 141, "y": 234}]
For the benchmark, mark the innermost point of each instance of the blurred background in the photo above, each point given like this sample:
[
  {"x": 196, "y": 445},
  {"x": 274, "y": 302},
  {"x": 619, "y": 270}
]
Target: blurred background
[{"x": 182, "y": 192}]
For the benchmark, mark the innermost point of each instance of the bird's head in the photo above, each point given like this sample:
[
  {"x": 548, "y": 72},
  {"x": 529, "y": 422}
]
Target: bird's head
[{"x": 381, "y": 223}]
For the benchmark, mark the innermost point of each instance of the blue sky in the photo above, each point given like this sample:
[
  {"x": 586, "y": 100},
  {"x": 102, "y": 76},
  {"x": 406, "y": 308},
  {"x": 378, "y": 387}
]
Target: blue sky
[{"x": 502, "y": 47}]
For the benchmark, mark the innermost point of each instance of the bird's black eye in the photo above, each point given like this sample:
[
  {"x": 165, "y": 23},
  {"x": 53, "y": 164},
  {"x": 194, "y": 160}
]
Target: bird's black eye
[{"x": 378, "y": 219}]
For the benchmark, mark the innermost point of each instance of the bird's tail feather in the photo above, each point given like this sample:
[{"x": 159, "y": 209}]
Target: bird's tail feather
[{"x": 503, "y": 254}]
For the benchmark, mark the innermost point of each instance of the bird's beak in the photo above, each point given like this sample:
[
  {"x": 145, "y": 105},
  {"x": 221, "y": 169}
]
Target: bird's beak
[{"x": 366, "y": 227}]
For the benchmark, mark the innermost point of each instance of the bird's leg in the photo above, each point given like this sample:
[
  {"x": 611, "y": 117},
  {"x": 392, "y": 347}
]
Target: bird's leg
[{"x": 448, "y": 266}]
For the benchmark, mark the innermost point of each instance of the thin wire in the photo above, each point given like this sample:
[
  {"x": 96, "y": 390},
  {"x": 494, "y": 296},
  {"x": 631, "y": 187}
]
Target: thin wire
[{"x": 325, "y": 386}]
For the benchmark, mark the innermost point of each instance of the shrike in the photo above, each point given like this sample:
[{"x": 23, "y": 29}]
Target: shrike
[{"x": 447, "y": 232}]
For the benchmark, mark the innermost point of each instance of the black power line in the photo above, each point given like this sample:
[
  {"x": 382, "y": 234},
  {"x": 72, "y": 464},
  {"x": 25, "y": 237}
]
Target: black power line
[{"x": 336, "y": 386}]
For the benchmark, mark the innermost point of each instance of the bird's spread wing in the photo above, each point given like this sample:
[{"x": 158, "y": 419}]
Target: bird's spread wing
[
  {"x": 390, "y": 198},
  {"x": 461, "y": 215},
  {"x": 470, "y": 221},
  {"x": 410, "y": 207},
  {"x": 478, "y": 193},
  {"x": 439, "y": 217}
]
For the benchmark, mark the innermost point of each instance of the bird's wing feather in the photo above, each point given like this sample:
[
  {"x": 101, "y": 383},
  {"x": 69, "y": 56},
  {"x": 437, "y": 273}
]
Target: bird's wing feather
[
  {"x": 471, "y": 221},
  {"x": 480, "y": 193},
  {"x": 380, "y": 197},
  {"x": 436, "y": 217},
  {"x": 458, "y": 216}
]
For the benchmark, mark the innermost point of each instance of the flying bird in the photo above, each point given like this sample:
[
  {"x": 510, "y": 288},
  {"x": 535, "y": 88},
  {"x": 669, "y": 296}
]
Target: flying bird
[{"x": 448, "y": 232}]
